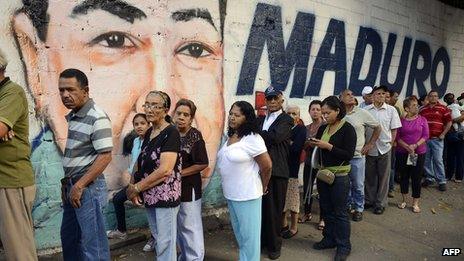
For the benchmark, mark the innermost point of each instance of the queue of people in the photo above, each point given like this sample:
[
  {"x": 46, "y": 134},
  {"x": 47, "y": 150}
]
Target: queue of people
[{"x": 347, "y": 148}]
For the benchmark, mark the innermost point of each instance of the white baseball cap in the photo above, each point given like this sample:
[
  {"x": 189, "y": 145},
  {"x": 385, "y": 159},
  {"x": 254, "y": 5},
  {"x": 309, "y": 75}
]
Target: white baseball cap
[{"x": 366, "y": 90}]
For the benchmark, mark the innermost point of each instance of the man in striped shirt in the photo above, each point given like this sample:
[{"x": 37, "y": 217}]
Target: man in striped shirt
[
  {"x": 87, "y": 153},
  {"x": 439, "y": 120}
]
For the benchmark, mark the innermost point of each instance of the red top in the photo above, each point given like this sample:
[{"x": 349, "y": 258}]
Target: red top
[{"x": 437, "y": 116}]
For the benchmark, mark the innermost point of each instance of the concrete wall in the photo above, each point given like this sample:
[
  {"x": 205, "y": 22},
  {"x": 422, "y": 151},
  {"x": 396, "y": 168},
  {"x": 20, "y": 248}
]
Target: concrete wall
[{"x": 308, "y": 49}]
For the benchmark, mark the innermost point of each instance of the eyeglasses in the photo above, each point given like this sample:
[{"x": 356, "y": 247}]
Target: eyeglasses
[{"x": 154, "y": 106}]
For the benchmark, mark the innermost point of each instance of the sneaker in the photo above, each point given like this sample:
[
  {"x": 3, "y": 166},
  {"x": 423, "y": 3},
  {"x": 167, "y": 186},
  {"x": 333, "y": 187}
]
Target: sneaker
[
  {"x": 150, "y": 245},
  {"x": 111, "y": 234},
  {"x": 357, "y": 216},
  {"x": 442, "y": 187},
  {"x": 350, "y": 210},
  {"x": 458, "y": 180},
  {"x": 426, "y": 183},
  {"x": 390, "y": 194}
]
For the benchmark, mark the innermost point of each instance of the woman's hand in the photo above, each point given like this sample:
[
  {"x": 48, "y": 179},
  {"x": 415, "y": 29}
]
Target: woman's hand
[
  {"x": 321, "y": 144},
  {"x": 411, "y": 148},
  {"x": 132, "y": 192},
  {"x": 307, "y": 144},
  {"x": 137, "y": 201}
]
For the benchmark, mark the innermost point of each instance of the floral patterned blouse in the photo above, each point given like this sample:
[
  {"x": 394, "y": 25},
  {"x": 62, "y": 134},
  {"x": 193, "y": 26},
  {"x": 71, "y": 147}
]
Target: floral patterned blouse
[{"x": 167, "y": 193}]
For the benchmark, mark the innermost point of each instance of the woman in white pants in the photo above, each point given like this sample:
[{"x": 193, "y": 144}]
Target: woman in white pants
[{"x": 194, "y": 160}]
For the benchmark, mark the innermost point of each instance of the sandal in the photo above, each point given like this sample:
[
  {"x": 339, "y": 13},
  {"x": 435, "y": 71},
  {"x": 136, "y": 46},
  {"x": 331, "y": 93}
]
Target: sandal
[
  {"x": 288, "y": 234},
  {"x": 402, "y": 205},
  {"x": 305, "y": 218},
  {"x": 283, "y": 229},
  {"x": 321, "y": 225},
  {"x": 416, "y": 209}
]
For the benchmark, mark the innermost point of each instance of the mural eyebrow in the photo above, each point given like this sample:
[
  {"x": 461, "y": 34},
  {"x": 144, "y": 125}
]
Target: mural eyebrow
[
  {"x": 119, "y": 8},
  {"x": 186, "y": 15}
]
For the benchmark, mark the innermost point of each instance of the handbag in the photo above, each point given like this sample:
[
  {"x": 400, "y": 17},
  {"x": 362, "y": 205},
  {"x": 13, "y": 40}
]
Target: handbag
[{"x": 326, "y": 175}]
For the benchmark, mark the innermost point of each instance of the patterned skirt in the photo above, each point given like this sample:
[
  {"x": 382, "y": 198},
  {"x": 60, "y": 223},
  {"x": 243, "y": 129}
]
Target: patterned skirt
[{"x": 292, "y": 200}]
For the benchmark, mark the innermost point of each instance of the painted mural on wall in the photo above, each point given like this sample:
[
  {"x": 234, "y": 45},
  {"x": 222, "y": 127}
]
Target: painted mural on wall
[
  {"x": 126, "y": 49},
  {"x": 213, "y": 52}
]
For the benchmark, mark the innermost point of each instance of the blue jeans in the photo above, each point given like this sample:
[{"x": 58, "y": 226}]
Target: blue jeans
[
  {"x": 434, "y": 168},
  {"x": 190, "y": 231},
  {"x": 163, "y": 226},
  {"x": 357, "y": 176},
  {"x": 83, "y": 235},
  {"x": 333, "y": 199},
  {"x": 245, "y": 217}
]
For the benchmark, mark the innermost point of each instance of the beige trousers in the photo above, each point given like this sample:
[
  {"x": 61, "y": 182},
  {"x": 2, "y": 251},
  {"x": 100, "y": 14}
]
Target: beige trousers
[{"x": 16, "y": 225}]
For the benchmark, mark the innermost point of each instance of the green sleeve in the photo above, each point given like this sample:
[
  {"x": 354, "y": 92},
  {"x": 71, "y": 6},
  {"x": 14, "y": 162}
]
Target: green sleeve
[{"x": 11, "y": 106}]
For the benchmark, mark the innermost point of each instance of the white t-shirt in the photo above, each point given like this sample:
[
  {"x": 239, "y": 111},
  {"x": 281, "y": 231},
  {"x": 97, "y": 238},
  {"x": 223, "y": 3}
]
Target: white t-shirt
[
  {"x": 456, "y": 113},
  {"x": 270, "y": 118},
  {"x": 239, "y": 170},
  {"x": 389, "y": 120}
]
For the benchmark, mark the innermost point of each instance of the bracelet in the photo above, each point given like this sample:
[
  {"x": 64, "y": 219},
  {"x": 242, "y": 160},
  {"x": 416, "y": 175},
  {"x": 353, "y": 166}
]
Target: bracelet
[{"x": 136, "y": 187}]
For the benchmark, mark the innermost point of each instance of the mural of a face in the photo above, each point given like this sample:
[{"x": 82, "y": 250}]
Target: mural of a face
[{"x": 128, "y": 49}]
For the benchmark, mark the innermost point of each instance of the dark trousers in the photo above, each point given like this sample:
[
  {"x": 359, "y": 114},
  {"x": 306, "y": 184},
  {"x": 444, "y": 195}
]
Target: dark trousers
[
  {"x": 272, "y": 208},
  {"x": 454, "y": 157},
  {"x": 413, "y": 173},
  {"x": 333, "y": 201},
  {"x": 393, "y": 175},
  {"x": 377, "y": 179},
  {"x": 118, "y": 202}
]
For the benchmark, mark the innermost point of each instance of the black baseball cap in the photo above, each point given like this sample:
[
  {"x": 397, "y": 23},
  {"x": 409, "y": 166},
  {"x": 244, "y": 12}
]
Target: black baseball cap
[{"x": 271, "y": 91}]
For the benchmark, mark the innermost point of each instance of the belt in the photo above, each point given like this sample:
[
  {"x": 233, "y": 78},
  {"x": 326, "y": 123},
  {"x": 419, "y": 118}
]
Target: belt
[
  {"x": 341, "y": 174},
  {"x": 72, "y": 180}
]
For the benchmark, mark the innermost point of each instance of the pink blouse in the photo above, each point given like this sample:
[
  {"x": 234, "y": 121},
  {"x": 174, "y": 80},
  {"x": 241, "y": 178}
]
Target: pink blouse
[{"x": 411, "y": 132}]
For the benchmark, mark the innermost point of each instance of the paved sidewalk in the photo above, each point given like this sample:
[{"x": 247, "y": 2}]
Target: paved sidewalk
[{"x": 395, "y": 235}]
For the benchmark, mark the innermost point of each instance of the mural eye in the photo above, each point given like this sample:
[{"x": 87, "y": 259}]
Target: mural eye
[
  {"x": 114, "y": 40},
  {"x": 195, "y": 50}
]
